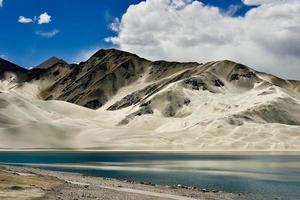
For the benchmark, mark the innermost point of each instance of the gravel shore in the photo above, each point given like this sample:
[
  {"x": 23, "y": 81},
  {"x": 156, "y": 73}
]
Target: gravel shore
[{"x": 29, "y": 183}]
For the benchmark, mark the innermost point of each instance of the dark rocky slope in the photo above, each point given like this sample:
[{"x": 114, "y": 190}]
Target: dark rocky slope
[{"x": 94, "y": 82}]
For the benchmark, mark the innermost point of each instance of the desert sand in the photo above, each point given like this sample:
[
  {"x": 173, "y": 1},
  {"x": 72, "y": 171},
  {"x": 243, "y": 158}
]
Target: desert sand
[{"x": 161, "y": 106}]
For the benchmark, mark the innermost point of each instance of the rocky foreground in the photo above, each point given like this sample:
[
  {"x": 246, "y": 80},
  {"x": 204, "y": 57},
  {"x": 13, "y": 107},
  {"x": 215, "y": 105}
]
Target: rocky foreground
[{"x": 20, "y": 183}]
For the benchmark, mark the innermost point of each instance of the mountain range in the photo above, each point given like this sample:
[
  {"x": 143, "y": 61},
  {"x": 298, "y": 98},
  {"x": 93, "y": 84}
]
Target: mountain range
[{"x": 118, "y": 101}]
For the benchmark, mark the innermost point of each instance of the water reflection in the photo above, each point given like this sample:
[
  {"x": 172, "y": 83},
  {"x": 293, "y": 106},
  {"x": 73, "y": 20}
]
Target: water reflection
[{"x": 265, "y": 174}]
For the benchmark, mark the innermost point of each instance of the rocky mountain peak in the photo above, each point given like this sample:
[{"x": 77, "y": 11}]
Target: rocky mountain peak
[{"x": 50, "y": 62}]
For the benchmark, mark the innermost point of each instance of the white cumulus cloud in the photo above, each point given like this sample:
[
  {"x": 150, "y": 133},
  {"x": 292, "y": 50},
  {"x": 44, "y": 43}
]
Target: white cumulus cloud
[
  {"x": 44, "y": 18},
  {"x": 115, "y": 25},
  {"x": 1, "y": 3},
  {"x": 47, "y": 34},
  {"x": 25, "y": 20},
  {"x": 267, "y": 38},
  {"x": 260, "y": 2}
]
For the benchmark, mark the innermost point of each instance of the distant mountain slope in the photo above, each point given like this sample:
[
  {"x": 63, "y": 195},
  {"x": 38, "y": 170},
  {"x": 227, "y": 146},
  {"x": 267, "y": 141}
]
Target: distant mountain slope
[
  {"x": 139, "y": 104},
  {"x": 6, "y": 67},
  {"x": 50, "y": 63},
  {"x": 93, "y": 83},
  {"x": 11, "y": 75}
]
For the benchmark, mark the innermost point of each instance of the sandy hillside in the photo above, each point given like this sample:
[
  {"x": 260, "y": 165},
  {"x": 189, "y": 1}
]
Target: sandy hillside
[{"x": 128, "y": 103}]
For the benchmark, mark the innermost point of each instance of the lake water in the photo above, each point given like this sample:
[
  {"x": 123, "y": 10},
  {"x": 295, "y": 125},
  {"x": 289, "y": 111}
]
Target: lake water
[{"x": 263, "y": 175}]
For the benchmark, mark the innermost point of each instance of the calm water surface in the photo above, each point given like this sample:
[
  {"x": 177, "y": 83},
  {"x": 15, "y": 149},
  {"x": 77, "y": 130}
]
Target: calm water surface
[{"x": 263, "y": 175}]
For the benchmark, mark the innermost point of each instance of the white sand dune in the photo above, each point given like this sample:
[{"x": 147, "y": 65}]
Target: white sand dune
[
  {"x": 157, "y": 106},
  {"x": 261, "y": 119}
]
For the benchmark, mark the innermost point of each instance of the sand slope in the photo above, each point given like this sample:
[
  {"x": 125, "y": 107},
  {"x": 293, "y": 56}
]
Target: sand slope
[{"x": 139, "y": 104}]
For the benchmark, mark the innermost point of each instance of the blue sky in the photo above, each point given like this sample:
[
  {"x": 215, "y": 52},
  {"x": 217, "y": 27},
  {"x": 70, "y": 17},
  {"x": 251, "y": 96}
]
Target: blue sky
[{"x": 80, "y": 26}]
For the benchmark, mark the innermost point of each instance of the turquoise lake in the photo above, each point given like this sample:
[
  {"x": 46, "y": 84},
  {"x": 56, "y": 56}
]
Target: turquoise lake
[{"x": 260, "y": 175}]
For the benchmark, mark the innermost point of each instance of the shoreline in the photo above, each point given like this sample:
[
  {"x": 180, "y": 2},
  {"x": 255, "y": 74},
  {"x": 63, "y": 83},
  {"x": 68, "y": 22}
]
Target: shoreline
[
  {"x": 145, "y": 151},
  {"x": 70, "y": 186}
]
